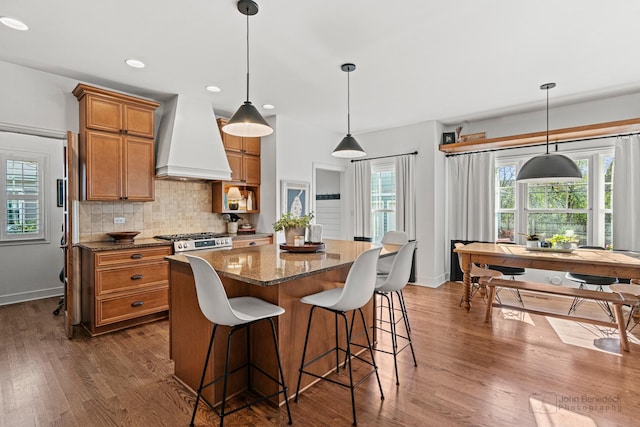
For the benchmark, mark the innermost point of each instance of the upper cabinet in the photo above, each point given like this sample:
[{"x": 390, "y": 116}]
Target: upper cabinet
[
  {"x": 116, "y": 147},
  {"x": 243, "y": 154}
]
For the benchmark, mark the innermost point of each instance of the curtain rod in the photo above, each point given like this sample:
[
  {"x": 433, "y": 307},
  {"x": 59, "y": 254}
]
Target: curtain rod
[
  {"x": 384, "y": 157},
  {"x": 544, "y": 143}
]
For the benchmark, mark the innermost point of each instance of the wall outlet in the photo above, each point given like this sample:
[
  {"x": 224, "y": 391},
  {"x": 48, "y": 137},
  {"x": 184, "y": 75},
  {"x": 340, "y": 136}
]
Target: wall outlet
[{"x": 118, "y": 220}]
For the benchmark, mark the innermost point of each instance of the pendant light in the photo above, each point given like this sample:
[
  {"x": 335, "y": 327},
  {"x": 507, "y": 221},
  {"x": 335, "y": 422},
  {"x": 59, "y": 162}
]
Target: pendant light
[
  {"x": 549, "y": 167},
  {"x": 348, "y": 147},
  {"x": 247, "y": 121}
]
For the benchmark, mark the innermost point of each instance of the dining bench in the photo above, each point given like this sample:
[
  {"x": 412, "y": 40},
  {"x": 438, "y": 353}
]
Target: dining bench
[{"x": 609, "y": 297}]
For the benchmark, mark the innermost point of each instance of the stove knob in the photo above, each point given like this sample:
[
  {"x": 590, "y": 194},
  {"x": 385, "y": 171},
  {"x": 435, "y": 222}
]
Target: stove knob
[
  {"x": 186, "y": 245},
  {"x": 179, "y": 245}
]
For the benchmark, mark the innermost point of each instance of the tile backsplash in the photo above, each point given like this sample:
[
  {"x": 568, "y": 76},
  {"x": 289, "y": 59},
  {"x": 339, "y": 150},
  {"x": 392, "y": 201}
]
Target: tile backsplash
[{"x": 179, "y": 207}]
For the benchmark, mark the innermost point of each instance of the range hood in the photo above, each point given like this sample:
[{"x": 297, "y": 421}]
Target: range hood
[{"x": 189, "y": 145}]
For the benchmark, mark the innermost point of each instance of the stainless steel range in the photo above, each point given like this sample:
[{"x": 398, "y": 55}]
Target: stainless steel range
[{"x": 198, "y": 241}]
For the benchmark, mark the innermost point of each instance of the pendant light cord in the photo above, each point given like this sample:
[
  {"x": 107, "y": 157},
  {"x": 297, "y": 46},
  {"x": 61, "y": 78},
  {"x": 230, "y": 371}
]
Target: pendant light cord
[
  {"x": 248, "y": 55},
  {"x": 547, "y": 121},
  {"x": 348, "y": 104}
]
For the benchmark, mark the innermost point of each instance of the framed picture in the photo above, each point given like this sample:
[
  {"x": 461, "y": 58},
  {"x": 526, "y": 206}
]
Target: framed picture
[
  {"x": 294, "y": 197},
  {"x": 448, "y": 137}
]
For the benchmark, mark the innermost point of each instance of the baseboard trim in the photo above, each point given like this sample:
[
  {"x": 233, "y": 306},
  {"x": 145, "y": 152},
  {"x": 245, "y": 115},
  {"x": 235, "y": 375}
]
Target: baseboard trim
[{"x": 31, "y": 295}]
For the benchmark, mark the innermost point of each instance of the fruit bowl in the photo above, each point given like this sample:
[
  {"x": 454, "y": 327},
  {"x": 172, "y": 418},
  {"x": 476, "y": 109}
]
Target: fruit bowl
[{"x": 123, "y": 236}]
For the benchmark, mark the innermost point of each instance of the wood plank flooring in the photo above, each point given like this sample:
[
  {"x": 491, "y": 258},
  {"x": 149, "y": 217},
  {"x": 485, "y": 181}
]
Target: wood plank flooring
[{"x": 521, "y": 369}]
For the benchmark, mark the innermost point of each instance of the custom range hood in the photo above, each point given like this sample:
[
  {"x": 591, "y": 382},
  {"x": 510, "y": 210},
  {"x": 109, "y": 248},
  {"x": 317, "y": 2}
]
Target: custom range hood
[{"x": 189, "y": 145}]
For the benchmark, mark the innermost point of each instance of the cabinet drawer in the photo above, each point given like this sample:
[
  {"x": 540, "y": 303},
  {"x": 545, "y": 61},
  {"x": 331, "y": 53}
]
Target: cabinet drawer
[
  {"x": 130, "y": 306},
  {"x": 243, "y": 243},
  {"x": 130, "y": 278},
  {"x": 131, "y": 256}
]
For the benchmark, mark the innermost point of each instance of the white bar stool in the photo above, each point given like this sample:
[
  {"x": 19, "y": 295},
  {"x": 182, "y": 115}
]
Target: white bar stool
[
  {"x": 356, "y": 292},
  {"x": 387, "y": 287},
  {"x": 238, "y": 313}
]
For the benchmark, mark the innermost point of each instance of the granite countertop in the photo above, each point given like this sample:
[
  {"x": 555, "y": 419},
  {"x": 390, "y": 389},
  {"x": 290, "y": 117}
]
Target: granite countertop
[
  {"x": 147, "y": 242},
  {"x": 111, "y": 245},
  {"x": 269, "y": 265}
]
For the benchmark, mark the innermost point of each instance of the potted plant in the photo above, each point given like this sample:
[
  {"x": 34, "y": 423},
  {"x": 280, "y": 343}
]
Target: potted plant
[
  {"x": 563, "y": 241},
  {"x": 292, "y": 225},
  {"x": 533, "y": 240}
]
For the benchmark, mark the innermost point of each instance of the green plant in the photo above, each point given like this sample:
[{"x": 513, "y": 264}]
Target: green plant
[
  {"x": 531, "y": 237},
  {"x": 567, "y": 237},
  {"x": 287, "y": 220}
]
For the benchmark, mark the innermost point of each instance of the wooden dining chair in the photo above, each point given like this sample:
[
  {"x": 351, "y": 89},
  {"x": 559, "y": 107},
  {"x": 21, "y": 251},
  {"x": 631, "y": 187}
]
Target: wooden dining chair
[{"x": 476, "y": 273}]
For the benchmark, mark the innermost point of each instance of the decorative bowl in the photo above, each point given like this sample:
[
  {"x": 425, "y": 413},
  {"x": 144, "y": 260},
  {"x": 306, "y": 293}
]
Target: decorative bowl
[{"x": 123, "y": 236}]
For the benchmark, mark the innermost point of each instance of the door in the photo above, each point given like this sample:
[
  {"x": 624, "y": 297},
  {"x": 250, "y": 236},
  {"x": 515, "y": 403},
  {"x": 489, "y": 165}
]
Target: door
[{"x": 70, "y": 160}]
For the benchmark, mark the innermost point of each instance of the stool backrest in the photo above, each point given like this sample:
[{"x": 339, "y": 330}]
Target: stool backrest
[
  {"x": 212, "y": 298},
  {"x": 391, "y": 238},
  {"x": 361, "y": 281},
  {"x": 400, "y": 269},
  {"x": 394, "y": 238}
]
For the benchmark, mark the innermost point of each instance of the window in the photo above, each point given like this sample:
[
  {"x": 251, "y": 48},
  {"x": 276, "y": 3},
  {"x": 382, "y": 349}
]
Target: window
[
  {"x": 583, "y": 206},
  {"x": 383, "y": 199},
  {"x": 22, "y": 182},
  {"x": 506, "y": 202}
]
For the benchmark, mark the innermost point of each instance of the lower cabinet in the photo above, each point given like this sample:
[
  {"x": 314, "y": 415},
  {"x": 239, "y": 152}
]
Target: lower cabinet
[
  {"x": 123, "y": 288},
  {"x": 244, "y": 242}
]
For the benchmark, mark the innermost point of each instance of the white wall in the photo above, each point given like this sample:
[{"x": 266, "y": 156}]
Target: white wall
[
  {"x": 430, "y": 181},
  {"x": 298, "y": 145},
  {"x": 327, "y": 182},
  {"x": 584, "y": 113},
  {"x": 37, "y": 101}
]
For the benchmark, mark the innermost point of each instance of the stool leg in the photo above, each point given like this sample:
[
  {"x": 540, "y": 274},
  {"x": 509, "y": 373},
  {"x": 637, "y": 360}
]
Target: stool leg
[
  {"x": 351, "y": 387},
  {"x": 226, "y": 376},
  {"x": 404, "y": 308},
  {"x": 373, "y": 360},
  {"x": 204, "y": 371},
  {"x": 284, "y": 387},
  {"x": 394, "y": 338},
  {"x": 304, "y": 353},
  {"x": 405, "y": 317}
]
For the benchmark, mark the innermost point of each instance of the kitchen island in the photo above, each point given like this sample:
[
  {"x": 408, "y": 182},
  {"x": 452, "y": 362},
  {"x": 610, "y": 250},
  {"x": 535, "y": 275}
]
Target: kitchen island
[{"x": 276, "y": 276}]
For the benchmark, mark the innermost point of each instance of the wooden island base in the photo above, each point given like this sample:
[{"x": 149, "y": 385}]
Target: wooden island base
[{"x": 190, "y": 332}]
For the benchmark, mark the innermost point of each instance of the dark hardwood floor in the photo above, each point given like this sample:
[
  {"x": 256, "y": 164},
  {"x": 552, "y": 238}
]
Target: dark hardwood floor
[{"x": 521, "y": 369}]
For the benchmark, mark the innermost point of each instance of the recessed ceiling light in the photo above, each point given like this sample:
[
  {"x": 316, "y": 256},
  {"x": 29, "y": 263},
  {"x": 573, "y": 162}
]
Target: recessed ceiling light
[
  {"x": 135, "y": 63},
  {"x": 211, "y": 88},
  {"x": 14, "y": 23},
  {"x": 268, "y": 106}
]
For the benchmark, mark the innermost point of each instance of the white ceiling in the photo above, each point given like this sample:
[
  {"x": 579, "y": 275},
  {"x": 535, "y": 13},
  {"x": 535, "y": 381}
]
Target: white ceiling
[{"x": 416, "y": 60}]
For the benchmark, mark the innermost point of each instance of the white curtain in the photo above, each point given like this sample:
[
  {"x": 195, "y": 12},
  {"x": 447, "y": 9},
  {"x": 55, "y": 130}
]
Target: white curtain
[
  {"x": 626, "y": 194},
  {"x": 471, "y": 197},
  {"x": 406, "y": 195},
  {"x": 362, "y": 199}
]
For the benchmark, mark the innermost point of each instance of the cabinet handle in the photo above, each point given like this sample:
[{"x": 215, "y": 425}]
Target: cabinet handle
[
  {"x": 136, "y": 256},
  {"x": 252, "y": 244},
  {"x": 136, "y": 277},
  {"x": 137, "y": 303}
]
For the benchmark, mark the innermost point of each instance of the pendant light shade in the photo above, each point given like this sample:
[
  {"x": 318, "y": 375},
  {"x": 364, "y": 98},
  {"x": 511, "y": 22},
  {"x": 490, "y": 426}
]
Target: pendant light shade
[
  {"x": 549, "y": 167},
  {"x": 247, "y": 121},
  {"x": 348, "y": 147}
]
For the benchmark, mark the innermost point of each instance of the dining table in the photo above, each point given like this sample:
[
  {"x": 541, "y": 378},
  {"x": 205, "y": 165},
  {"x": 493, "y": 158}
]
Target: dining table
[{"x": 585, "y": 261}]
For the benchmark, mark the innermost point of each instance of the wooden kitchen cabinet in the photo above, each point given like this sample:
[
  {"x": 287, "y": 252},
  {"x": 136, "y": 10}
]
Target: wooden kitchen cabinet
[
  {"x": 248, "y": 242},
  {"x": 118, "y": 168},
  {"x": 221, "y": 188},
  {"x": 240, "y": 144},
  {"x": 123, "y": 288},
  {"x": 116, "y": 149},
  {"x": 243, "y": 155}
]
